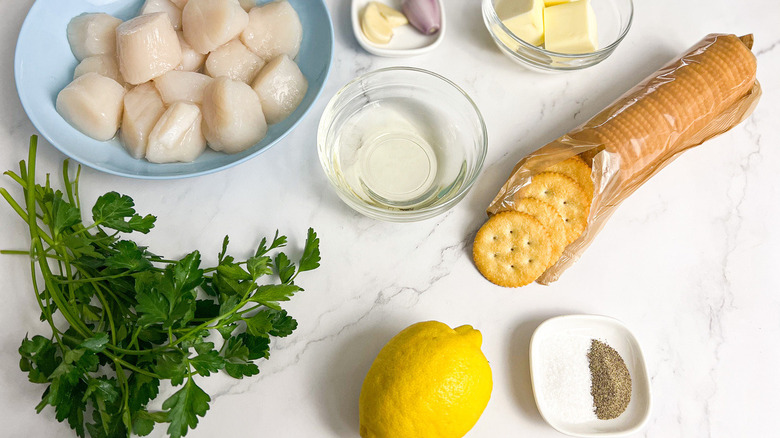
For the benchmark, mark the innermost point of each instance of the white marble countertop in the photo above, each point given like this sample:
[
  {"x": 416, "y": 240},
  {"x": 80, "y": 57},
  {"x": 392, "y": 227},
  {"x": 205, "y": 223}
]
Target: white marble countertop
[{"x": 689, "y": 262}]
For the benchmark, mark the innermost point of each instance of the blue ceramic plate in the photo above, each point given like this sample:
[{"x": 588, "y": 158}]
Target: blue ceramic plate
[{"x": 44, "y": 65}]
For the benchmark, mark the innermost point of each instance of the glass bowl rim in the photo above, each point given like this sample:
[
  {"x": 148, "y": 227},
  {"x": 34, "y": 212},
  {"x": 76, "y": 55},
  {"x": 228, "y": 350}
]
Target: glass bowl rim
[
  {"x": 389, "y": 214},
  {"x": 488, "y": 5}
]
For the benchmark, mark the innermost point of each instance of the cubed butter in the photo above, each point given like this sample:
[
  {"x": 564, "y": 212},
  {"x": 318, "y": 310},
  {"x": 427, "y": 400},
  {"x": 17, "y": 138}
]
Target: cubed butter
[
  {"x": 524, "y": 18},
  {"x": 548, "y": 3},
  {"x": 570, "y": 28}
]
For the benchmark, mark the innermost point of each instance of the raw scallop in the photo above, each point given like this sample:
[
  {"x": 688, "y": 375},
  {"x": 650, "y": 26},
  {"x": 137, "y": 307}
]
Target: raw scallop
[
  {"x": 190, "y": 59},
  {"x": 182, "y": 86},
  {"x": 233, "y": 116},
  {"x": 273, "y": 29},
  {"x": 143, "y": 108},
  {"x": 281, "y": 87},
  {"x": 92, "y": 34},
  {"x": 209, "y": 24},
  {"x": 92, "y": 104},
  {"x": 177, "y": 136},
  {"x": 147, "y": 47},
  {"x": 104, "y": 65},
  {"x": 173, "y": 11},
  {"x": 235, "y": 61}
]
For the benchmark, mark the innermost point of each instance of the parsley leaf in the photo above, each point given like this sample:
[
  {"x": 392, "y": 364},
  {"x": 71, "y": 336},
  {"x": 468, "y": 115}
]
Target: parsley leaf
[
  {"x": 64, "y": 215},
  {"x": 271, "y": 294},
  {"x": 128, "y": 256},
  {"x": 311, "y": 253},
  {"x": 277, "y": 242},
  {"x": 282, "y": 324},
  {"x": 184, "y": 407},
  {"x": 116, "y": 211},
  {"x": 259, "y": 324},
  {"x": 238, "y": 362},
  {"x": 172, "y": 365},
  {"x": 284, "y": 268},
  {"x": 207, "y": 362}
]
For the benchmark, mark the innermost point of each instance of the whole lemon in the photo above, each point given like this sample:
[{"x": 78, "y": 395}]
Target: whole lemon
[{"x": 429, "y": 381}]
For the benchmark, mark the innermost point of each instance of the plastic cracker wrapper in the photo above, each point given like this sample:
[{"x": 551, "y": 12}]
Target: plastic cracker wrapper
[{"x": 704, "y": 93}]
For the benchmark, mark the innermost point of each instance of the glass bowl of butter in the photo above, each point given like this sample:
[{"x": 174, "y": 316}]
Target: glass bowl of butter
[
  {"x": 558, "y": 35},
  {"x": 401, "y": 144}
]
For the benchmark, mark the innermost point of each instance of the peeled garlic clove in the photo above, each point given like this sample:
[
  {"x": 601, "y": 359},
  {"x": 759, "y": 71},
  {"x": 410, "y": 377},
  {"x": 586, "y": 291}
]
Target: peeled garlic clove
[
  {"x": 177, "y": 136},
  {"x": 147, "y": 47},
  {"x": 209, "y": 24},
  {"x": 190, "y": 59},
  {"x": 232, "y": 114},
  {"x": 281, "y": 87},
  {"x": 424, "y": 15},
  {"x": 274, "y": 29},
  {"x": 104, "y": 65},
  {"x": 235, "y": 61},
  {"x": 376, "y": 27},
  {"x": 173, "y": 11},
  {"x": 182, "y": 86},
  {"x": 92, "y": 104},
  {"x": 393, "y": 17},
  {"x": 92, "y": 34},
  {"x": 142, "y": 109},
  {"x": 179, "y": 3}
]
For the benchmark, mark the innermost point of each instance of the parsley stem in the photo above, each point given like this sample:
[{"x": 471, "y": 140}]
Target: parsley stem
[
  {"x": 37, "y": 246},
  {"x": 20, "y": 211},
  {"x": 106, "y": 311},
  {"x": 66, "y": 179},
  {"x": 131, "y": 366},
  {"x": 45, "y": 309},
  {"x": 122, "y": 379},
  {"x": 209, "y": 322},
  {"x": 87, "y": 279},
  {"x": 14, "y": 252},
  {"x": 27, "y": 253},
  {"x": 12, "y": 202}
]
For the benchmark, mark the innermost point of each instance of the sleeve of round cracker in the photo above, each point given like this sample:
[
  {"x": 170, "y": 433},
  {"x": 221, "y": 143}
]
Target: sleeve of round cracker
[{"x": 704, "y": 93}]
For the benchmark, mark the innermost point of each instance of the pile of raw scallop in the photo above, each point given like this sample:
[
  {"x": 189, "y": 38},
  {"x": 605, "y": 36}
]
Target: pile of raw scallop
[{"x": 184, "y": 75}]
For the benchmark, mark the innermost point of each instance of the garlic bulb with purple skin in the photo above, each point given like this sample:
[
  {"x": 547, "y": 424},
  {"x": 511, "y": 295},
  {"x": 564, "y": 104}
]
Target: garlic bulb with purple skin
[{"x": 424, "y": 15}]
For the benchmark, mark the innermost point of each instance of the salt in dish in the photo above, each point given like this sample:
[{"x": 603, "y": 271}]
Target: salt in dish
[{"x": 555, "y": 338}]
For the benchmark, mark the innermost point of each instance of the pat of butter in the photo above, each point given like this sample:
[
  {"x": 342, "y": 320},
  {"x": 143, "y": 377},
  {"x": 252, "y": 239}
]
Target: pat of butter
[
  {"x": 524, "y": 18},
  {"x": 548, "y": 3},
  {"x": 570, "y": 28}
]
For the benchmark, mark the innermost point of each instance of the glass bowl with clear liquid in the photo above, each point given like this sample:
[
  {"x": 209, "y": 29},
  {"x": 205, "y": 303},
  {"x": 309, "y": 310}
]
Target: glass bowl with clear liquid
[{"x": 401, "y": 144}]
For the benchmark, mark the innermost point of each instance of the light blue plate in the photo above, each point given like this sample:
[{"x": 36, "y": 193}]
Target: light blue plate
[{"x": 44, "y": 65}]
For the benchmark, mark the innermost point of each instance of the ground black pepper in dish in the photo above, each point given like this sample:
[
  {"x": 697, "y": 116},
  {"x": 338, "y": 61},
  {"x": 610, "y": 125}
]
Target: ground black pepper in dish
[{"x": 610, "y": 381}]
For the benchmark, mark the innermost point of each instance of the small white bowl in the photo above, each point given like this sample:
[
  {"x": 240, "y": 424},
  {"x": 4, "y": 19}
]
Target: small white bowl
[
  {"x": 407, "y": 41},
  {"x": 617, "y": 336}
]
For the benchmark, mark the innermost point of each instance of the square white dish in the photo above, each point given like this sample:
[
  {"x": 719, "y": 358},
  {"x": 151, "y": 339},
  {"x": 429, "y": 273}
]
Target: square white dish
[
  {"x": 617, "y": 336},
  {"x": 407, "y": 41}
]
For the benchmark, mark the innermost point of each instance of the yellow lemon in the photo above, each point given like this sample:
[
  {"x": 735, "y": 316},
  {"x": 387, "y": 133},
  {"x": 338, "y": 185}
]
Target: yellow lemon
[{"x": 429, "y": 381}]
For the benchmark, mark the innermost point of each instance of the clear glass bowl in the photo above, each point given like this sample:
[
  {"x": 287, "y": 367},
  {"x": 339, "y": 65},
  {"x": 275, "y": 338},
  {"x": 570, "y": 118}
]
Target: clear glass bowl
[
  {"x": 613, "y": 20},
  {"x": 401, "y": 144}
]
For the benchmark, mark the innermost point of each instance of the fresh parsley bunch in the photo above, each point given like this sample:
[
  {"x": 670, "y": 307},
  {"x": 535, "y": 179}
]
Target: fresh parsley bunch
[{"x": 134, "y": 319}]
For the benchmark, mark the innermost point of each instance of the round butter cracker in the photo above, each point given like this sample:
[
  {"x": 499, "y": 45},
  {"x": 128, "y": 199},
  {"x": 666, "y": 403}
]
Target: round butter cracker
[
  {"x": 512, "y": 249},
  {"x": 734, "y": 55},
  {"x": 568, "y": 198},
  {"x": 577, "y": 170},
  {"x": 549, "y": 217},
  {"x": 699, "y": 85}
]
